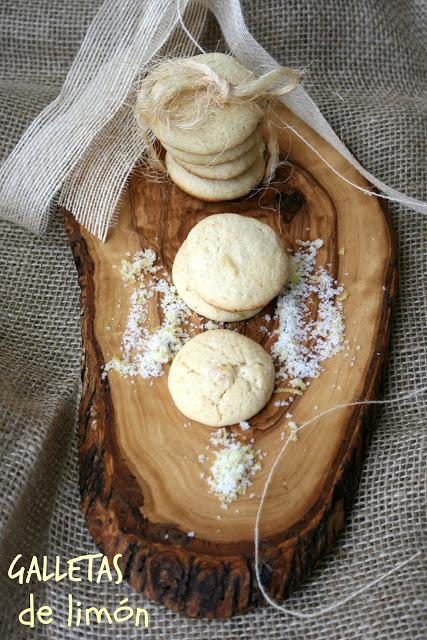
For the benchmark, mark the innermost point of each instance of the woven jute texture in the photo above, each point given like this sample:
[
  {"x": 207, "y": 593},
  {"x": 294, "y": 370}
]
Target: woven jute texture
[{"x": 367, "y": 73}]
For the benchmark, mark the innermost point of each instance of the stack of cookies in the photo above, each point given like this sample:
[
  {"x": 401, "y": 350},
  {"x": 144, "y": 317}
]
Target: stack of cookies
[
  {"x": 221, "y": 155},
  {"x": 230, "y": 267}
]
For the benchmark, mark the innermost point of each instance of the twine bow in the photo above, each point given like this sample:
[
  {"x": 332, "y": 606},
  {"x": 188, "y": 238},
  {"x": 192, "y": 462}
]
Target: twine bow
[{"x": 172, "y": 85}]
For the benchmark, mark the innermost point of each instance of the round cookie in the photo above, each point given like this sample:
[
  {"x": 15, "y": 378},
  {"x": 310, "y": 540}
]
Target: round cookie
[
  {"x": 225, "y": 170},
  {"x": 226, "y": 155},
  {"x": 219, "y": 128},
  {"x": 182, "y": 281},
  {"x": 220, "y": 378},
  {"x": 215, "y": 190},
  {"x": 237, "y": 263}
]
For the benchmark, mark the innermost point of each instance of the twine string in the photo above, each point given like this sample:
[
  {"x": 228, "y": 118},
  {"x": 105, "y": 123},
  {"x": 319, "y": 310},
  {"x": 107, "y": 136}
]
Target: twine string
[
  {"x": 420, "y": 207},
  {"x": 172, "y": 85},
  {"x": 368, "y": 585},
  {"x": 185, "y": 29}
]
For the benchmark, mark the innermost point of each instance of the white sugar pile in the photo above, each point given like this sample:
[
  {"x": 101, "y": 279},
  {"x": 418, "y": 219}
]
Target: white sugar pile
[
  {"x": 145, "y": 351},
  {"x": 304, "y": 343},
  {"x": 234, "y": 465}
]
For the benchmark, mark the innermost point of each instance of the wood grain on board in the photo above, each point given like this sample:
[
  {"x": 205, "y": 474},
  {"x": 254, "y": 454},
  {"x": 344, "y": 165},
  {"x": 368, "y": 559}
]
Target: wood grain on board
[{"x": 139, "y": 469}]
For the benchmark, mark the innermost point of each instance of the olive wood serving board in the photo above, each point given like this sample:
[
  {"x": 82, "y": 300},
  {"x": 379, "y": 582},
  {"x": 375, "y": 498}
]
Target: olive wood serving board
[{"x": 139, "y": 468}]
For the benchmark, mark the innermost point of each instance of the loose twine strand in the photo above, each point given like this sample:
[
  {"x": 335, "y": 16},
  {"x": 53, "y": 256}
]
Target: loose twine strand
[
  {"x": 184, "y": 28},
  {"x": 178, "y": 86},
  {"x": 373, "y": 192},
  {"x": 339, "y": 603}
]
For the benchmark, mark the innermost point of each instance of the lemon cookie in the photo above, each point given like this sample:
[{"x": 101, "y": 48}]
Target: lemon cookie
[
  {"x": 221, "y": 378},
  {"x": 225, "y": 170},
  {"x": 225, "y": 155},
  {"x": 237, "y": 263},
  {"x": 216, "y": 129},
  {"x": 182, "y": 281},
  {"x": 215, "y": 190}
]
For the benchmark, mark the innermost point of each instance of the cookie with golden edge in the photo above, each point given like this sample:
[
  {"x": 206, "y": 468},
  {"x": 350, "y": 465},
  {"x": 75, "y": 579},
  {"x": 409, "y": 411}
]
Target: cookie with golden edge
[
  {"x": 225, "y": 170},
  {"x": 237, "y": 262},
  {"x": 215, "y": 190},
  {"x": 181, "y": 277},
  {"x": 221, "y": 377},
  {"x": 225, "y": 155},
  {"x": 216, "y": 129}
]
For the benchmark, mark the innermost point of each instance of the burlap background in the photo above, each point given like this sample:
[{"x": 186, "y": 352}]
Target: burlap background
[{"x": 372, "y": 53}]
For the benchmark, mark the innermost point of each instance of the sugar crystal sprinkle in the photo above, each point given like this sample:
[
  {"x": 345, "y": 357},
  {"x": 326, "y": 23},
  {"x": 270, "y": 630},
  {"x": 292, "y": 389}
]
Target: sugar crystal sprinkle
[
  {"x": 304, "y": 342},
  {"x": 234, "y": 465},
  {"x": 145, "y": 350}
]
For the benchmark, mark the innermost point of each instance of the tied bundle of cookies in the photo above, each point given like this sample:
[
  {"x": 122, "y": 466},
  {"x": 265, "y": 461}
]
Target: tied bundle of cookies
[
  {"x": 229, "y": 267},
  {"x": 208, "y": 112}
]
